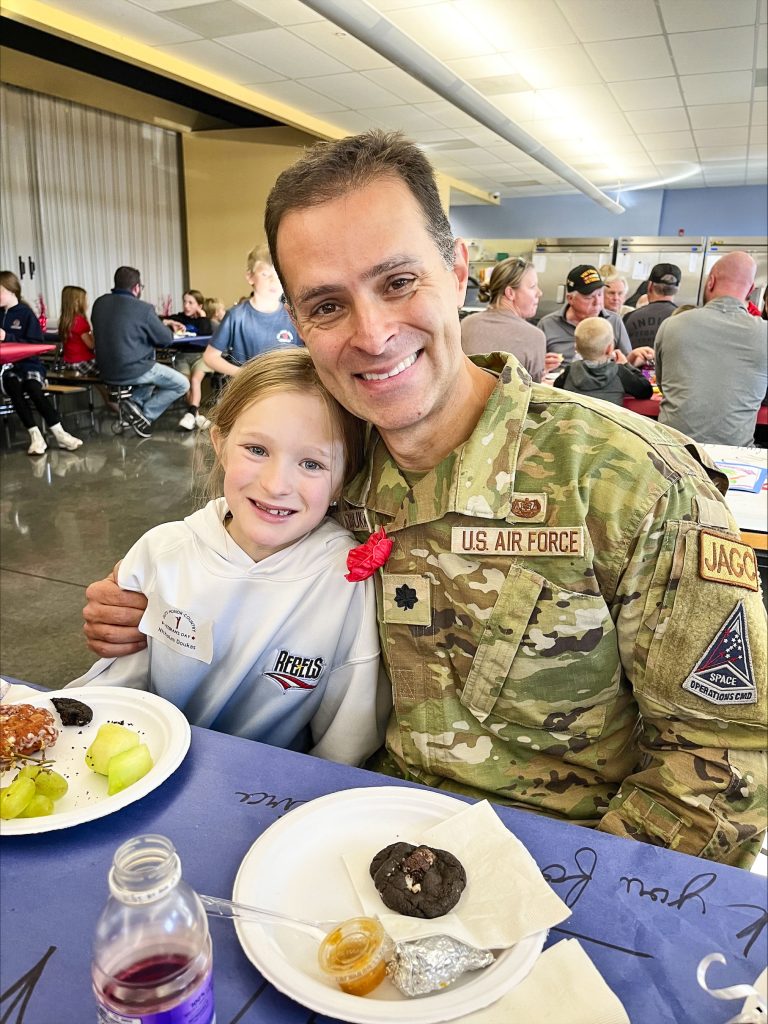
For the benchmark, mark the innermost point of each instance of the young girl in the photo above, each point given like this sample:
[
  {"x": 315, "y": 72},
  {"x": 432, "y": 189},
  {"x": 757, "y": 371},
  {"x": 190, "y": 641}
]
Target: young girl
[
  {"x": 25, "y": 379},
  {"x": 191, "y": 363},
  {"x": 215, "y": 310},
  {"x": 253, "y": 629},
  {"x": 75, "y": 332}
]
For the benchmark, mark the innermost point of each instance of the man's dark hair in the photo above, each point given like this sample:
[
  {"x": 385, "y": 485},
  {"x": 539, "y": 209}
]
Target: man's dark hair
[
  {"x": 330, "y": 169},
  {"x": 126, "y": 278}
]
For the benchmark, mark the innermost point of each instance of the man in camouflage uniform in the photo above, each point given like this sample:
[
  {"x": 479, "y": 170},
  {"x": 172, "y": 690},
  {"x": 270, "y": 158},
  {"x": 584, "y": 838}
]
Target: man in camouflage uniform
[{"x": 568, "y": 616}]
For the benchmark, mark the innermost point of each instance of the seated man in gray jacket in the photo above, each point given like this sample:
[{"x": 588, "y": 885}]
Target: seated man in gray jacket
[{"x": 126, "y": 332}]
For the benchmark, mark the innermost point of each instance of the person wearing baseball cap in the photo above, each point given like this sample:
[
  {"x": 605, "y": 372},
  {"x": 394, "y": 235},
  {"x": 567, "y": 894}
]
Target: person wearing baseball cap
[
  {"x": 642, "y": 324},
  {"x": 584, "y": 298}
]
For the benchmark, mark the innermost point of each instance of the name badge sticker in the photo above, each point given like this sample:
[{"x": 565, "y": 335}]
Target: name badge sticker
[
  {"x": 407, "y": 599},
  {"x": 519, "y": 541},
  {"x": 178, "y": 629},
  {"x": 723, "y": 560}
]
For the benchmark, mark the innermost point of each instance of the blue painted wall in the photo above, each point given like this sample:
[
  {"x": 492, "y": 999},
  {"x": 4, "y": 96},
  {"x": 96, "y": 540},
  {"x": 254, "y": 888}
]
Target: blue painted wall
[{"x": 700, "y": 211}]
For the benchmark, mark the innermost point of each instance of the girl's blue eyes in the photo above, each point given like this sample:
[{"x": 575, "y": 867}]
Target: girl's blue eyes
[{"x": 257, "y": 450}]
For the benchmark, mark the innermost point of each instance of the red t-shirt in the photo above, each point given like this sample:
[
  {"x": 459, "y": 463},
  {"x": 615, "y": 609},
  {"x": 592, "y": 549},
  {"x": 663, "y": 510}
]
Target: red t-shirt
[{"x": 75, "y": 349}]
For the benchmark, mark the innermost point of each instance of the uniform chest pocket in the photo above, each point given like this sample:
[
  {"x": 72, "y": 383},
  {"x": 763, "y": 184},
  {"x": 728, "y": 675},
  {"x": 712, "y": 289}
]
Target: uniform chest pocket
[{"x": 547, "y": 659}]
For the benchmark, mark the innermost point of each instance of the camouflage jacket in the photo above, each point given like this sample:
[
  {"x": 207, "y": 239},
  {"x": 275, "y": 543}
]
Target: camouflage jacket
[{"x": 555, "y": 614}]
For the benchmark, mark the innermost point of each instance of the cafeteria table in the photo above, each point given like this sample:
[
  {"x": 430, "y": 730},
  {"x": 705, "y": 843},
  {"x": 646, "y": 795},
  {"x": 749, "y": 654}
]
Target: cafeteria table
[
  {"x": 650, "y": 407},
  {"x": 13, "y": 351},
  {"x": 645, "y": 916}
]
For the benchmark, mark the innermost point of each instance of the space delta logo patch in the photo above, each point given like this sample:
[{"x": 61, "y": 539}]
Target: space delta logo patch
[
  {"x": 296, "y": 672},
  {"x": 724, "y": 675}
]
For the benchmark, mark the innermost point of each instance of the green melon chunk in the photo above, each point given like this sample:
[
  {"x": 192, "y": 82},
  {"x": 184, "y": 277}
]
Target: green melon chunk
[
  {"x": 128, "y": 767},
  {"x": 111, "y": 739}
]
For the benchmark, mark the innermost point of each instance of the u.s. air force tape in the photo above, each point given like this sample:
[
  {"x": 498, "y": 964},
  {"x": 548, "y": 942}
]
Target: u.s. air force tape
[{"x": 517, "y": 541}]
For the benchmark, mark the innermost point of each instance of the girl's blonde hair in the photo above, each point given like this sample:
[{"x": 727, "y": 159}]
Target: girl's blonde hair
[
  {"x": 210, "y": 305},
  {"x": 507, "y": 274},
  {"x": 74, "y": 302},
  {"x": 274, "y": 372}
]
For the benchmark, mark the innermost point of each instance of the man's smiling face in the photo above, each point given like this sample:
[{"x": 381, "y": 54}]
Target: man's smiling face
[{"x": 375, "y": 303}]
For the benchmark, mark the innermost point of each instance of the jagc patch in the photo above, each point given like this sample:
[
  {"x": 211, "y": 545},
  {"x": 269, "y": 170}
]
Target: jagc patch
[
  {"x": 723, "y": 560},
  {"x": 518, "y": 541},
  {"x": 724, "y": 674}
]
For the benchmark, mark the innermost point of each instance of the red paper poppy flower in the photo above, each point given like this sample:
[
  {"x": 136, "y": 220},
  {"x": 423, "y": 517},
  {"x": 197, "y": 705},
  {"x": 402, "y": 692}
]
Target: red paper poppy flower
[{"x": 363, "y": 561}]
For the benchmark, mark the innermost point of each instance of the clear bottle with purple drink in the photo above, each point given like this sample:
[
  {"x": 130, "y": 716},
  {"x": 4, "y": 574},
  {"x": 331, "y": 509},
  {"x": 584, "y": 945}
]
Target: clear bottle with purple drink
[{"x": 152, "y": 951}]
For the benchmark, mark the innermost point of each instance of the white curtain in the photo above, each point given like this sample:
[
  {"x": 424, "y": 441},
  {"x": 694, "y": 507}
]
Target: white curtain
[{"x": 84, "y": 192}]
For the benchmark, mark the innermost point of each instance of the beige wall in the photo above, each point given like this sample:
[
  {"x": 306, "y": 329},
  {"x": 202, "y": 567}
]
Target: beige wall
[{"x": 227, "y": 176}]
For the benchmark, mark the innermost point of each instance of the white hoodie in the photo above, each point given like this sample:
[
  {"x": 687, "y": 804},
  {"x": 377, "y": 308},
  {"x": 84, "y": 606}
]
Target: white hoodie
[{"x": 284, "y": 650}]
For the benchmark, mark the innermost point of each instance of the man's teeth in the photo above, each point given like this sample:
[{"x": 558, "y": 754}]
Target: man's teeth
[
  {"x": 409, "y": 361},
  {"x": 274, "y": 511}
]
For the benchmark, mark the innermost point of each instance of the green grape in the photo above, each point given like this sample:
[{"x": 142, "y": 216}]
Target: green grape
[
  {"x": 51, "y": 784},
  {"x": 38, "y": 807},
  {"x": 29, "y": 771},
  {"x": 15, "y": 797}
]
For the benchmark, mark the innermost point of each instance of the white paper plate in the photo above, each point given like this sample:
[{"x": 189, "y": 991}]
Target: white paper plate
[
  {"x": 296, "y": 867},
  {"x": 159, "y": 724}
]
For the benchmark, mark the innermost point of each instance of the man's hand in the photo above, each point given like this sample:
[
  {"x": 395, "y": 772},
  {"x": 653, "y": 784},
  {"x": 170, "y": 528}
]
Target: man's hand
[
  {"x": 175, "y": 326},
  {"x": 551, "y": 361},
  {"x": 112, "y": 616},
  {"x": 641, "y": 356}
]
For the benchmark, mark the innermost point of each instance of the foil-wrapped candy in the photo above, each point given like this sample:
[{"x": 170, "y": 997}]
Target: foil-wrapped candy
[{"x": 418, "y": 966}]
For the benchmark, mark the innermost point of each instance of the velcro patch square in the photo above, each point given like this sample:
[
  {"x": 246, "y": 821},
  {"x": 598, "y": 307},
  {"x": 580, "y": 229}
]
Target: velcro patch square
[
  {"x": 723, "y": 560},
  {"x": 407, "y": 599}
]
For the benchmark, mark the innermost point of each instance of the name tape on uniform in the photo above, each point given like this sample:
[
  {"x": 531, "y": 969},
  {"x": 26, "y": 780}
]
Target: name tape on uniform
[
  {"x": 355, "y": 519},
  {"x": 518, "y": 541},
  {"x": 723, "y": 560}
]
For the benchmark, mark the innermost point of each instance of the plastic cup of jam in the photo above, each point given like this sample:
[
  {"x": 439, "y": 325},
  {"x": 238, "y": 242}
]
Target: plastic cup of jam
[{"x": 355, "y": 955}]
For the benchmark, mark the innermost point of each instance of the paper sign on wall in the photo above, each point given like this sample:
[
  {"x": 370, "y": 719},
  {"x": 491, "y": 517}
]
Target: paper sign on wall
[
  {"x": 711, "y": 260},
  {"x": 640, "y": 270},
  {"x": 539, "y": 262},
  {"x": 694, "y": 262},
  {"x": 623, "y": 261}
]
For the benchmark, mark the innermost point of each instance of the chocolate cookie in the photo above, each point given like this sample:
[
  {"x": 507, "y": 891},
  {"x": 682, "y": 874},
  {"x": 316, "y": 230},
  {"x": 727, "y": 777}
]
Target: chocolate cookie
[
  {"x": 72, "y": 712},
  {"x": 418, "y": 881}
]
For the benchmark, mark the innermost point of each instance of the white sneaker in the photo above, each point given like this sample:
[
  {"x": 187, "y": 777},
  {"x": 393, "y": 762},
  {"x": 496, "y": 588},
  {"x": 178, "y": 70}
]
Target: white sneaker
[
  {"x": 202, "y": 422},
  {"x": 187, "y": 421},
  {"x": 67, "y": 441},
  {"x": 38, "y": 445}
]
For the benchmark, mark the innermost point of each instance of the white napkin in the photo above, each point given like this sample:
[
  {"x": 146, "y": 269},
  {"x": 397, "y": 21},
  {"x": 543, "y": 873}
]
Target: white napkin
[
  {"x": 506, "y": 897},
  {"x": 564, "y": 987}
]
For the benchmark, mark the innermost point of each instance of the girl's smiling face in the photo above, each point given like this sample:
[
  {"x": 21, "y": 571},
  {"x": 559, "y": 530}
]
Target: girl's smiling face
[{"x": 282, "y": 469}]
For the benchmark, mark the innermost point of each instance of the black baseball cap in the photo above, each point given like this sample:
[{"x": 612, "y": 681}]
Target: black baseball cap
[
  {"x": 665, "y": 273},
  {"x": 584, "y": 279}
]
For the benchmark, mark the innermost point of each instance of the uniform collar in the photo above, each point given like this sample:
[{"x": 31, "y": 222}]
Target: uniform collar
[{"x": 477, "y": 479}]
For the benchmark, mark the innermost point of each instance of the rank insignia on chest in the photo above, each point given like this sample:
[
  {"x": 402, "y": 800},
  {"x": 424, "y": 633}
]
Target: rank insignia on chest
[
  {"x": 723, "y": 560},
  {"x": 724, "y": 674},
  {"x": 407, "y": 599},
  {"x": 531, "y": 508},
  {"x": 518, "y": 541}
]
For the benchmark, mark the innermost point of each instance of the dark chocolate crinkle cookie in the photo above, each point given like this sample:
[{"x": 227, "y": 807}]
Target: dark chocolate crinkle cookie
[
  {"x": 417, "y": 880},
  {"x": 71, "y": 711}
]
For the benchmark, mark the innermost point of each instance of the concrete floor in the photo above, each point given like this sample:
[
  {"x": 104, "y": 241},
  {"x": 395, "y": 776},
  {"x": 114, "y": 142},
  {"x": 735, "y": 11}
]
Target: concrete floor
[{"x": 65, "y": 518}]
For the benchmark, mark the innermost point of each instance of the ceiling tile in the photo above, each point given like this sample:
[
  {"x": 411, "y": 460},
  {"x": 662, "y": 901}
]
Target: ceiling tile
[
  {"x": 719, "y": 115},
  {"x": 339, "y": 44},
  {"x": 666, "y": 140},
  {"x": 283, "y": 12},
  {"x": 159, "y": 6},
  {"x": 447, "y": 114},
  {"x": 284, "y": 52},
  {"x": 686, "y": 155},
  {"x": 722, "y": 153},
  {"x": 761, "y": 48},
  {"x": 298, "y": 96},
  {"x": 398, "y": 82},
  {"x": 352, "y": 90},
  {"x": 479, "y": 67},
  {"x": 220, "y": 59},
  {"x": 557, "y": 66},
  {"x": 444, "y": 30},
  {"x": 594, "y": 20},
  {"x": 721, "y": 136},
  {"x": 529, "y": 25},
  {"x": 727, "y": 87},
  {"x": 669, "y": 120},
  {"x": 651, "y": 94},
  {"x": 498, "y": 85},
  {"x": 518, "y": 106},
  {"x": 220, "y": 18},
  {"x": 128, "y": 20},
  {"x": 481, "y": 136},
  {"x": 680, "y": 15},
  {"x": 727, "y": 49},
  {"x": 763, "y": 16},
  {"x": 759, "y": 113},
  {"x": 757, "y": 135},
  {"x": 432, "y": 136},
  {"x": 401, "y": 118},
  {"x": 621, "y": 60},
  {"x": 594, "y": 98},
  {"x": 350, "y": 121},
  {"x": 760, "y": 94}
]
